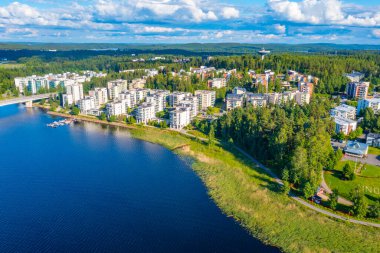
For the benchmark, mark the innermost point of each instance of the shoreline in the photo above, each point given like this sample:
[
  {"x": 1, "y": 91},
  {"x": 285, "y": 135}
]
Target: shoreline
[{"x": 205, "y": 161}]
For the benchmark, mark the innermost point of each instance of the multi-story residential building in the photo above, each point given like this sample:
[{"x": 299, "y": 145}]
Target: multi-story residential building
[
  {"x": 343, "y": 111},
  {"x": 302, "y": 98},
  {"x": 127, "y": 99},
  {"x": 217, "y": 83},
  {"x": 115, "y": 87},
  {"x": 373, "y": 140},
  {"x": 86, "y": 104},
  {"x": 137, "y": 84},
  {"x": 141, "y": 94},
  {"x": 256, "y": 99},
  {"x": 158, "y": 98},
  {"x": 145, "y": 113},
  {"x": 355, "y": 76},
  {"x": 177, "y": 96},
  {"x": 180, "y": 117},
  {"x": 100, "y": 95},
  {"x": 234, "y": 101},
  {"x": 74, "y": 93},
  {"x": 344, "y": 125},
  {"x": 206, "y": 98},
  {"x": 358, "y": 90},
  {"x": 116, "y": 108},
  {"x": 306, "y": 87},
  {"x": 192, "y": 103},
  {"x": 34, "y": 84},
  {"x": 373, "y": 103},
  {"x": 239, "y": 90}
]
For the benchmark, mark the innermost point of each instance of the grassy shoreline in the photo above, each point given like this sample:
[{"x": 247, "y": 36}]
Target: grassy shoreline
[{"x": 249, "y": 195}]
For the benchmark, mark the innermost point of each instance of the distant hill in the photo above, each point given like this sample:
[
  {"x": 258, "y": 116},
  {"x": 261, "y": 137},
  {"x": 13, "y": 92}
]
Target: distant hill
[
  {"x": 14, "y": 51},
  {"x": 192, "y": 47}
]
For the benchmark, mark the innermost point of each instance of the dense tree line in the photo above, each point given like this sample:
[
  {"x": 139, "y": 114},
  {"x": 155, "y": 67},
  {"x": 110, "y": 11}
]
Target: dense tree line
[{"x": 290, "y": 138}]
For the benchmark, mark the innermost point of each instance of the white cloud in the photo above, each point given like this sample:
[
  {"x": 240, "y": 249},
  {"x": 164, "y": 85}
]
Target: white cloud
[
  {"x": 125, "y": 10},
  {"x": 230, "y": 12},
  {"x": 140, "y": 28},
  {"x": 24, "y": 32},
  {"x": 376, "y": 33},
  {"x": 321, "y": 12},
  {"x": 280, "y": 28}
]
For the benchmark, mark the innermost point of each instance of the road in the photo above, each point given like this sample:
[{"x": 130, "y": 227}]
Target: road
[
  {"x": 298, "y": 199},
  {"x": 24, "y": 99},
  {"x": 303, "y": 202},
  {"x": 341, "y": 200}
]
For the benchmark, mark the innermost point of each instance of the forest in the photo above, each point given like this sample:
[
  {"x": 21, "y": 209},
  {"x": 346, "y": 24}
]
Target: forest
[
  {"x": 328, "y": 68},
  {"x": 290, "y": 138}
]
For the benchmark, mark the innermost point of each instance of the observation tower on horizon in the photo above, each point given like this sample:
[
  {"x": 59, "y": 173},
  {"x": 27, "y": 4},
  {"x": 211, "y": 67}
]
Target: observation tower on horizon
[{"x": 263, "y": 53}]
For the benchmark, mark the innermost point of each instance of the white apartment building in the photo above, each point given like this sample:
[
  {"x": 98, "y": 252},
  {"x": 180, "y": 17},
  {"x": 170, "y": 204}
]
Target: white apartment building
[
  {"x": 206, "y": 98},
  {"x": 180, "y": 117},
  {"x": 128, "y": 99},
  {"x": 100, "y": 95},
  {"x": 344, "y": 125},
  {"x": 115, "y": 87},
  {"x": 74, "y": 93},
  {"x": 177, "y": 96},
  {"x": 86, "y": 104},
  {"x": 116, "y": 108},
  {"x": 141, "y": 94},
  {"x": 217, "y": 83},
  {"x": 192, "y": 103},
  {"x": 257, "y": 100},
  {"x": 158, "y": 98},
  {"x": 234, "y": 101},
  {"x": 373, "y": 103},
  {"x": 343, "y": 111},
  {"x": 302, "y": 98},
  {"x": 145, "y": 113}
]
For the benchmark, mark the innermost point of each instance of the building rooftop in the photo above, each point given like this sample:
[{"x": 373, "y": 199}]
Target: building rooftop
[
  {"x": 357, "y": 148},
  {"x": 343, "y": 121},
  {"x": 345, "y": 108}
]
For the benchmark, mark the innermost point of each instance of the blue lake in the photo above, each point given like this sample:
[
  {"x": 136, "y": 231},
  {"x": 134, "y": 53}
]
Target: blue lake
[{"x": 88, "y": 188}]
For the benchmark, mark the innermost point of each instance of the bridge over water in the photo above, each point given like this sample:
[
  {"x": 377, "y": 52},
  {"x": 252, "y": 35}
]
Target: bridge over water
[{"x": 28, "y": 100}]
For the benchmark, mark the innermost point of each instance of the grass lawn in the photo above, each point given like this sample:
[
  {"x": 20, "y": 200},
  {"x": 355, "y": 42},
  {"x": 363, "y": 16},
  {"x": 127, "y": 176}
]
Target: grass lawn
[
  {"x": 374, "y": 151},
  {"x": 368, "y": 181},
  {"x": 250, "y": 196},
  {"x": 197, "y": 134}
]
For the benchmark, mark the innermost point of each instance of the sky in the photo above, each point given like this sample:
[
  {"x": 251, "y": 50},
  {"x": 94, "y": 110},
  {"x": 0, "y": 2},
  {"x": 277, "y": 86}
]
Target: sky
[{"x": 185, "y": 21}]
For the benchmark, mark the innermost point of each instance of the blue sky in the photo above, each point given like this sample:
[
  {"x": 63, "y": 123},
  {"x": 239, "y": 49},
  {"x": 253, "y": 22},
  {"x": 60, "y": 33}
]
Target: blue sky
[{"x": 182, "y": 21}]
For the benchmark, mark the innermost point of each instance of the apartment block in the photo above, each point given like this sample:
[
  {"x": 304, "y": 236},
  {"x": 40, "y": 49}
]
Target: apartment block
[
  {"x": 192, "y": 103},
  {"x": 234, "y": 101},
  {"x": 100, "y": 95},
  {"x": 343, "y": 111},
  {"x": 145, "y": 113},
  {"x": 217, "y": 83},
  {"x": 180, "y": 117},
  {"x": 344, "y": 125},
  {"x": 74, "y": 93},
  {"x": 206, "y": 98},
  {"x": 177, "y": 96},
  {"x": 86, "y": 104},
  {"x": 116, "y": 108},
  {"x": 373, "y": 103},
  {"x": 357, "y": 90}
]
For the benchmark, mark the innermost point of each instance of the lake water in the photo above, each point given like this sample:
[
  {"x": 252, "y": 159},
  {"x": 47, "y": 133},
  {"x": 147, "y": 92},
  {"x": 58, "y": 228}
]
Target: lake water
[{"x": 88, "y": 188}]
